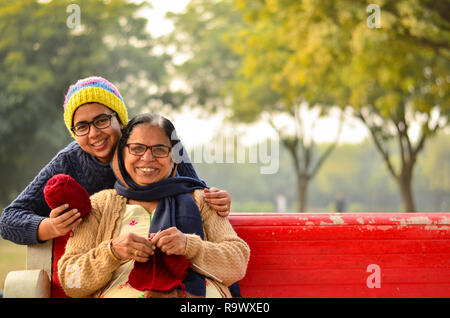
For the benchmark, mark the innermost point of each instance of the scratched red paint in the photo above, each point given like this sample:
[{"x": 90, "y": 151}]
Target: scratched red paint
[{"x": 327, "y": 255}]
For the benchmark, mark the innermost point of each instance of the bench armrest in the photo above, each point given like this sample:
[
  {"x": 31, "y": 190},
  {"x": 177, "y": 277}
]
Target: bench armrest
[{"x": 27, "y": 284}]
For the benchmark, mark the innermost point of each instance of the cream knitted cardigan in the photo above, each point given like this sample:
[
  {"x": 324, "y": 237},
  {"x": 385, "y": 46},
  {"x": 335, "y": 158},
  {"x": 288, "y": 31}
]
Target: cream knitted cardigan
[{"x": 86, "y": 266}]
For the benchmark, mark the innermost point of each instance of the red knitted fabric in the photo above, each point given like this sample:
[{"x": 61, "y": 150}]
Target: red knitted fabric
[
  {"x": 61, "y": 189},
  {"x": 161, "y": 273}
]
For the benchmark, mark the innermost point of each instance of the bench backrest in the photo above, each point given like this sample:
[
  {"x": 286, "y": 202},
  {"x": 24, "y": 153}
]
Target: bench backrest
[
  {"x": 334, "y": 255},
  {"x": 346, "y": 255}
]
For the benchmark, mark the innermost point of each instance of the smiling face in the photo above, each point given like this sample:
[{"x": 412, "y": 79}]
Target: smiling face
[
  {"x": 147, "y": 169},
  {"x": 98, "y": 142}
]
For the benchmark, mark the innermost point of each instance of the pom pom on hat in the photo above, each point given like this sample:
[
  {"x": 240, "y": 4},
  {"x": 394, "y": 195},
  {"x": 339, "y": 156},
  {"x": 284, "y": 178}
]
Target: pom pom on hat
[
  {"x": 93, "y": 90},
  {"x": 62, "y": 188}
]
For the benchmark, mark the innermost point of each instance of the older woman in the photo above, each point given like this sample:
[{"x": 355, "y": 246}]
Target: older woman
[{"x": 151, "y": 210}]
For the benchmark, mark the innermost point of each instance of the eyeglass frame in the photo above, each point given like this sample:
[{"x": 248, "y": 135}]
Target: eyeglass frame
[
  {"x": 92, "y": 122},
  {"x": 148, "y": 147}
]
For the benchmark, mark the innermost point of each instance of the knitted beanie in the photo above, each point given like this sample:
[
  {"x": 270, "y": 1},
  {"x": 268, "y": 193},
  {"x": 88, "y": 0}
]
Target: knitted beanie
[{"x": 93, "y": 90}]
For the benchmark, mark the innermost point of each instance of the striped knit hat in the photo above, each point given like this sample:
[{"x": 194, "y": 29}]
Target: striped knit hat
[{"x": 93, "y": 90}]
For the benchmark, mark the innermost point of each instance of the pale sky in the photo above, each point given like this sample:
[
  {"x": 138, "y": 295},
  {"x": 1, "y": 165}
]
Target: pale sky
[{"x": 157, "y": 25}]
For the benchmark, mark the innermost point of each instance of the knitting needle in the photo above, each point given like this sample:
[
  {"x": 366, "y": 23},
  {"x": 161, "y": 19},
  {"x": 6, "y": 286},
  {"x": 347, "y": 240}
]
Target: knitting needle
[
  {"x": 219, "y": 280},
  {"x": 195, "y": 265},
  {"x": 151, "y": 237}
]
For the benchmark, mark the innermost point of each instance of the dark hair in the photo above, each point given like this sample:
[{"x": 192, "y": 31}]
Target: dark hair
[{"x": 152, "y": 120}]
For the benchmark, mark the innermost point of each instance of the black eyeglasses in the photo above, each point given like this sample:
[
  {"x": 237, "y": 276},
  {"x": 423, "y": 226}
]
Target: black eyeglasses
[
  {"x": 158, "y": 151},
  {"x": 100, "y": 122}
]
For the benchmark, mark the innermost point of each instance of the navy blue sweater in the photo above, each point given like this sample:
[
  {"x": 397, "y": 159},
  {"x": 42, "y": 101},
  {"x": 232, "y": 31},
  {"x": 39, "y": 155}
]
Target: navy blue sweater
[{"x": 20, "y": 220}]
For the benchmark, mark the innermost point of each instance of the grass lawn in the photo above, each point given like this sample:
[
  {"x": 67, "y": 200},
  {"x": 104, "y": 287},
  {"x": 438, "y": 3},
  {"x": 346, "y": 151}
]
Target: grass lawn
[{"x": 12, "y": 257}]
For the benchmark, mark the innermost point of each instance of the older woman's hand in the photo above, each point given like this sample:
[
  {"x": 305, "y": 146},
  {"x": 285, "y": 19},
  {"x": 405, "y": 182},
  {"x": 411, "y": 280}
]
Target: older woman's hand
[
  {"x": 133, "y": 246},
  {"x": 171, "y": 241},
  {"x": 218, "y": 199}
]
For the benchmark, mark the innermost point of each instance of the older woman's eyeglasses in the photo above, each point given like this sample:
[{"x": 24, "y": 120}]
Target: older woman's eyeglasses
[
  {"x": 102, "y": 121},
  {"x": 158, "y": 151}
]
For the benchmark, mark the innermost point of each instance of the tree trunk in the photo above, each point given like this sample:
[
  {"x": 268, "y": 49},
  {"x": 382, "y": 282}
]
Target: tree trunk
[
  {"x": 408, "y": 156},
  {"x": 405, "y": 184},
  {"x": 302, "y": 190}
]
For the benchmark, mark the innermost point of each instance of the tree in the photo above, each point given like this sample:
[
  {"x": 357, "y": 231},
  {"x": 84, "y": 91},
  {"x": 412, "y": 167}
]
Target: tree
[
  {"x": 394, "y": 77},
  {"x": 41, "y": 54},
  {"x": 207, "y": 62},
  {"x": 222, "y": 72},
  {"x": 436, "y": 164},
  {"x": 356, "y": 171}
]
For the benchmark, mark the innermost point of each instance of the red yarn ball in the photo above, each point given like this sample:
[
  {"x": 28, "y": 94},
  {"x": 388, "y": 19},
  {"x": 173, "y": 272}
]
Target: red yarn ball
[
  {"x": 161, "y": 273},
  {"x": 62, "y": 188}
]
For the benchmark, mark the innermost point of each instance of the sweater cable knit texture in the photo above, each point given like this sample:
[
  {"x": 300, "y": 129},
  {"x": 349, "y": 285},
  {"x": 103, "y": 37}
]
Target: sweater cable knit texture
[
  {"x": 20, "y": 220},
  {"x": 222, "y": 253}
]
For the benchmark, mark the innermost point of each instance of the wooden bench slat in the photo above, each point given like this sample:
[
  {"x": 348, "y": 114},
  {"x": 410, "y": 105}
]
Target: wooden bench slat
[
  {"x": 343, "y": 232},
  {"x": 370, "y": 247},
  {"x": 397, "y": 261},
  {"x": 351, "y": 291}
]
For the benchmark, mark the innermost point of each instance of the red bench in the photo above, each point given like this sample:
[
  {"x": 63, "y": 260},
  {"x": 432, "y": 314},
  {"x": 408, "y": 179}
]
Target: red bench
[
  {"x": 326, "y": 255},
  {"x": 346, "y": 255}
]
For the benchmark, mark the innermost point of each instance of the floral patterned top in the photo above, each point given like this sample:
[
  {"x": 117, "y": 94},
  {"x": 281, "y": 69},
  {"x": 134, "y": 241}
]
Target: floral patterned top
[{"x": 135, "y": 220}]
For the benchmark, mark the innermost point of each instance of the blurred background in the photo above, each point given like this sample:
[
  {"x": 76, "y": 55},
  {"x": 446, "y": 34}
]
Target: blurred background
[{"x": 350, "y": 98}]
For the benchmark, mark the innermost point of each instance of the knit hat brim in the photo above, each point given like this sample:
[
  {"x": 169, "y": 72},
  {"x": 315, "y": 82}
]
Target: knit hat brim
[{"x": 94, "y": 95}]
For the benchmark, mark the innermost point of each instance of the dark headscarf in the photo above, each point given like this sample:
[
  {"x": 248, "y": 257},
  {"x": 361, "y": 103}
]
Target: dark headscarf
[{"x": 176, "y": 207}]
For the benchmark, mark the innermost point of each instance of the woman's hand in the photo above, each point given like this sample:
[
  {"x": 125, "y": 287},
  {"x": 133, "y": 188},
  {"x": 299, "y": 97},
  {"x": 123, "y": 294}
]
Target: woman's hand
[
  {"x": 218, "y": 199},
  {"x": 133, "y": 246},
  {"x": 171, "y": 241},
  {"x": 59, "y": 223}
]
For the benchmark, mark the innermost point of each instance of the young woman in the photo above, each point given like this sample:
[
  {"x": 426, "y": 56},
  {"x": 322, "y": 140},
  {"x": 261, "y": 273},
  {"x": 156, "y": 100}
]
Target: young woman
[
  {"x": 94, "y": 113},
  {"x": 151, "y": 200}
]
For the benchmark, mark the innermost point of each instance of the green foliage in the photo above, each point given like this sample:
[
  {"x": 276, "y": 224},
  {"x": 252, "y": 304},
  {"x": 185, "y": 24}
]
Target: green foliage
[
  {"x": 40, "y": 56},
  {"x": 208, "y": 62},
  {"x": 250, "y": 57},
  {"x": 234, "y": 61},
  {"x": 326, "y": 53}
]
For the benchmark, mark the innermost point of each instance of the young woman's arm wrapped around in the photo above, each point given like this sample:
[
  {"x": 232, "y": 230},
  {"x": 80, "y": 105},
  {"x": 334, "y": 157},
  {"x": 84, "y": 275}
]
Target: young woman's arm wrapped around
[{"x": 222, "y": 253}]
